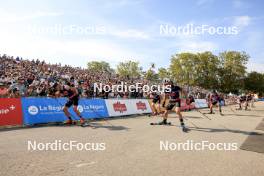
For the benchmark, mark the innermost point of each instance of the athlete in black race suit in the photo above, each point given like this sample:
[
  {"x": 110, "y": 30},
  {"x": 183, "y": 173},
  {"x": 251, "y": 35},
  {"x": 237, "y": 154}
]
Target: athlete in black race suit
[
  {"x": 174, "y": 101},
  {"x": 249, "y": 98},
  {"x": 73, "y": 99},
  {"x": 244, "y": 99},
  {"x": 156, "y": 99},
  {"x": 214, "y": 99}
]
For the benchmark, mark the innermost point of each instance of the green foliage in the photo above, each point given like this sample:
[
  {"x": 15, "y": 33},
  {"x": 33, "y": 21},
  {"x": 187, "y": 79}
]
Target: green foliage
[
  {"x": 163, "y": 73},
  {"x": 151, "y": 75},
  {"x": 225, "y": 72},
  {"x": 232, "y": 70},
  {"x": 129, "y": 69},
  {"x": 97, "y": 66},
  {"x": 183, "y": 68},
  {"x": 207, "y": 70},
  {"x": 254, "y": 82}
]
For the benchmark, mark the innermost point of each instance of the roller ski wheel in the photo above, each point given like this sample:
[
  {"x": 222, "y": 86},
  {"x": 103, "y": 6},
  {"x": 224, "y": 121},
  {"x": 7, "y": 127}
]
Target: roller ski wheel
[
  {"x": 185, "y": 129},
  {"x": 153, "y": 114},
  {"x": 85, "y": 124},
  {"x": 160, "y": 123},
  {"x": 69, "y": 122}
]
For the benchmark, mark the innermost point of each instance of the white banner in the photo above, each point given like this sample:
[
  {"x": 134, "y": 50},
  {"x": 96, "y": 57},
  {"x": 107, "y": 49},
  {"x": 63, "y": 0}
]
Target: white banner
[
  {"x": 201, "y": 103},
  {"x": 140, "y": 106},
  {"x": 119, "y": 107}
]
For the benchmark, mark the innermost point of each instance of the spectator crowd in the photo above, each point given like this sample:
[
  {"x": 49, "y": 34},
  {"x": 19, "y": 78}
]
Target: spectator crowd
[{"x": 25, "y": 78}]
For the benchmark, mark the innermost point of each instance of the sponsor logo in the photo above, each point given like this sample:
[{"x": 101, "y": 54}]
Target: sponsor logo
[
  {"x": 80, "y": 108},
  {"x": 119, "y": 107},
  {"x": 12, "y": 107},
  {"x": 141, "y": 106},
  {"x": 7, "y": 110},
  {"x": 33, "y": 110},
  {"x": 10, "y": 111},
  {"x": 4, "y": 111}
]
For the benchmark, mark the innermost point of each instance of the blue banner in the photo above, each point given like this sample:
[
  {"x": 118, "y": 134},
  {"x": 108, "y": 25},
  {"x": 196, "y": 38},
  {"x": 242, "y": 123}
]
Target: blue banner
[{"x": 44, "y": 110}]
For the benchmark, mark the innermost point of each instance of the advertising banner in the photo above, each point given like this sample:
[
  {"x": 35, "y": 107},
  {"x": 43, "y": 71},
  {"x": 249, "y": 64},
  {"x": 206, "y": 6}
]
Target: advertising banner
[
  {"x": 201, "y": 103},
  {"x": 10, "y": 111},
  {"x": 44, "y": 110},
  {"x": 120, "y": 107},
  {"x": 140, "y": 106}
]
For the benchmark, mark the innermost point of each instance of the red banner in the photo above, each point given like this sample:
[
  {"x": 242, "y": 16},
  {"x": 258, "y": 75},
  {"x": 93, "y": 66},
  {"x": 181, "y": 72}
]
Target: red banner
[{"x": 10, "y": 111}]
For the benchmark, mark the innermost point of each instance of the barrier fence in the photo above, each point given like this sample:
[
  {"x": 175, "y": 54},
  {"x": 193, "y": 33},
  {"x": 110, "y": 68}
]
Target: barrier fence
[
  {"x": 44, "y": 110},
  {"x": 31, "y": 110},
  {"x": 10, "y": 111},
  {"x": 201, "y": 103},
  {"x": 119, "y": 107}
]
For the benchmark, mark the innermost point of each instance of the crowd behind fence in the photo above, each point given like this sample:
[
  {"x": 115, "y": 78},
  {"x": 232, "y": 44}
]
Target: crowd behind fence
[{"x": 35, "y": 78}]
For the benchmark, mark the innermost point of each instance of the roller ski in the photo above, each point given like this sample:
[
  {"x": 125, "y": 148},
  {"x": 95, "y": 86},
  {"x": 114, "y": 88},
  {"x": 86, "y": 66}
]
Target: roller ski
[
  {"x": 69, "y": 122},
  {"x": 161, "y": 123},
  {"x": 184, "y": 129},
  {"x": 153, "y": 114},
  {"x": 156, "y": 114},
  {"x": 84, "y": 123}
]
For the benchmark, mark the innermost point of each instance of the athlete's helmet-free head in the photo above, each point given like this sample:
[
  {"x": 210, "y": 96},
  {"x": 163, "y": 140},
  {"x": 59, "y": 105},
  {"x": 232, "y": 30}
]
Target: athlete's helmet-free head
[{"x": 67, "y": 85}]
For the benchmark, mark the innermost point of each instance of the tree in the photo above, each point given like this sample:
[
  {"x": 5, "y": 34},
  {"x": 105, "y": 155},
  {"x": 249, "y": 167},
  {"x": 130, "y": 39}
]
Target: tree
[
  {"x": 152, "y": 65},
  {"x": 96, "y": 66},
  {"x": 129, "y": 69},
  {"x": 163, "y": 73},
  {"x": 207, "y": 70},
  {"x": 254, "y": 82},
  {"x": 232, "y": 70},
  {"x": 150, "y": 74},
  {"x": 182, "y": 68}
]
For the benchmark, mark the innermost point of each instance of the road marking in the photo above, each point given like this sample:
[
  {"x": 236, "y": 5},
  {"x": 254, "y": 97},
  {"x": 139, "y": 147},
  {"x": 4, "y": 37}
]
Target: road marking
[{"x": 85, "y": 164}]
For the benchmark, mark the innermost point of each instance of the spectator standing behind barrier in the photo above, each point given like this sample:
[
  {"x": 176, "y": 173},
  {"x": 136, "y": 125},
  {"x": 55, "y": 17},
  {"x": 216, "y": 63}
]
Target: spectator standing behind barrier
[{"x": 3, "y": 90}]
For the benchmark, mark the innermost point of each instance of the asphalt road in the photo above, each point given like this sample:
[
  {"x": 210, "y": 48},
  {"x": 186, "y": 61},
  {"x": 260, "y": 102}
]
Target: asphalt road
[{"x": 132, "y": 147}]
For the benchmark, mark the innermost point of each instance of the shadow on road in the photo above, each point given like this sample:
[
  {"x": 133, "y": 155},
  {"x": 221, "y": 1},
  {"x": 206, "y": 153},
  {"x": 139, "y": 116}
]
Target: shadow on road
[
  {"x": 215, "y": 130},
  {"x": 110, "y": 126},
  {"x": 92, "y": 125},
  {"x": 242, "y": 115}
]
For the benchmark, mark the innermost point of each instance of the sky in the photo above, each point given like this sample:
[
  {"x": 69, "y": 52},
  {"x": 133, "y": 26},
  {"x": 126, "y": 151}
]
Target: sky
[{"x": 148, "y": 31}]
